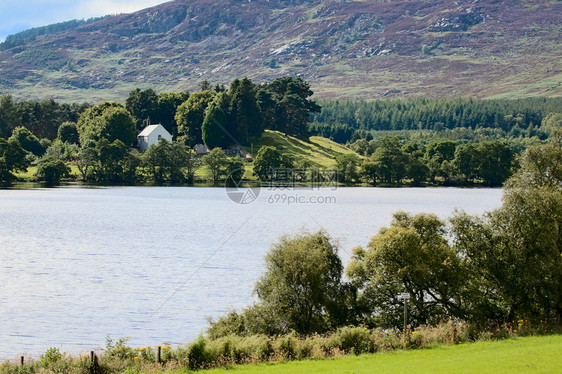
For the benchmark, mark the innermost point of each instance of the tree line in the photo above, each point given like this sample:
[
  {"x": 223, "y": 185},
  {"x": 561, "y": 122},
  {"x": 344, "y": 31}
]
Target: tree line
[
  {"x": 42, "y": 118},
  {"x": 349, "y": 120},
  {"x": 23, "y": 37},
  {"x": 221, "y": 117},
  {"x": 392, "y": 161},
  {"x": 236, "y": 116},
  {"x": 98, "y": 139},
  {"x": 504, "y": 267}
]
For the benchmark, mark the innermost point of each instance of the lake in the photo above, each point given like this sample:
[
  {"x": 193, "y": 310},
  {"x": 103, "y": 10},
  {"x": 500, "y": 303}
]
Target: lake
[{"x": 152, "y": 263}]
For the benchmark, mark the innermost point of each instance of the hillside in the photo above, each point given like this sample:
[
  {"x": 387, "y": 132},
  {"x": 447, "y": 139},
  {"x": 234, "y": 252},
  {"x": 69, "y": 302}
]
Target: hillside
[
  {"x": 357, "y": 49},
  {"x": 319, "y": 151}
]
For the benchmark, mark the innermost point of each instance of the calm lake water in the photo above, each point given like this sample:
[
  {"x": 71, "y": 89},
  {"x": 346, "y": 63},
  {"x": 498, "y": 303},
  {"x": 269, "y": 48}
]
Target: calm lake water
[{"x": 152, "y": 263}]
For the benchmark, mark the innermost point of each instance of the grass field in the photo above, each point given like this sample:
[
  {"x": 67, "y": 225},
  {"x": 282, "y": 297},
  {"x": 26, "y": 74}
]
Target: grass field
[
  {"x": 522, "y": 355},
  {"x": 319, "y": 151}
]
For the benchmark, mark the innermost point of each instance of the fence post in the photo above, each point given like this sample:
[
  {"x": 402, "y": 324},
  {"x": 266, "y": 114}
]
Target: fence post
[
  {"x": 159, "y": 355},
  {"x": 21, "y": 360},
  {"x": 92, "y": 362}
]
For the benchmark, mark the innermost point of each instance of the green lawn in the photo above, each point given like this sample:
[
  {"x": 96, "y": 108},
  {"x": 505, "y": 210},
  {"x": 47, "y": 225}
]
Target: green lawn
[{"x": 523, "y": 355}]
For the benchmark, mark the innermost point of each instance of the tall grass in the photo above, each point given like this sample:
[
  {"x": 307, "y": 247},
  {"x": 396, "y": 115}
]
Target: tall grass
[{"x": 206, "y": 353}]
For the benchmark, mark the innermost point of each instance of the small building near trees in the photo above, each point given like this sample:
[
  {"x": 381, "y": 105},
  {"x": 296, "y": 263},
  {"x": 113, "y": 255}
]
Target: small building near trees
[
  {"x": 152, "y": 135},
  {"x": 201, "y": 150}
]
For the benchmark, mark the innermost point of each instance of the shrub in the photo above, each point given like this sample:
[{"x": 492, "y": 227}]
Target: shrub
[
  {"x": 355, "y": 340},
  {"x": 199, "y": 355}
]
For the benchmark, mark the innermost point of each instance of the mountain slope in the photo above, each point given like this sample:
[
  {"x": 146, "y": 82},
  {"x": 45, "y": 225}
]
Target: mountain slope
[{"x": 367, "y": 48}]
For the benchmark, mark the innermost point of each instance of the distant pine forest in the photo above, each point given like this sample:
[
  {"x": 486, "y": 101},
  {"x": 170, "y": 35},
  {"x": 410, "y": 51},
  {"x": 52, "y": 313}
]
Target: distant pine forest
[{"x": 348, "y": 120}]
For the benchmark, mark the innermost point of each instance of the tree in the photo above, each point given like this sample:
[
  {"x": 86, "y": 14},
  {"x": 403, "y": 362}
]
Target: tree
[
  {"x": 390, "y": 160},
  {"x": 292, "y": 105},
  {"x": 551, "y": 121},
  {"x": 51, "y": 170},
  {"x": 267, "y": 106},
  {"x": 412, "y": 256},
  {"x": 166, "y": 161},
  {"x": 191, "y": 162},
  {"x": 541, "y": 166},
  {"x": 245, "y": 112},
  {"x": 214, "y": 127},
  {"x": 515, "y": 252},
  {"x": 235, "y": 169},
  {"x": 9, "y": 116},
  {"x": 118, "y": 125},
  {"x": 13, "y": 158},
  {"x": 49, "y": 119},
  {"x": 68, "y": 133},
  {"x": 442, "y": 150},
  {"x": 269, "y": 162},
  {"x": 182, "y": 163},
  {"x": 361, "y": 146},
  {"x": 143, "y": 105},
  {"x": 114, "y": 162},
  {"x": 416, "y": 170},
  {"x": 436, "y": 154},
  {"x": 205, "y": 85},
  {"x": 156, "y": 160},
  {"x": 347, "y": 165},
  {"x": 168, "y": 103},
  {"x": 302, "y": 284},
  {"x": 190, "y": 116},
  {"x": 107, "y": 120},
  {"x": 28, "y": 141},
  {"x": 217, "y": 164},
  {"x": 495, "y": 161},
  {"x": 369, "y": 171},
  {"x": 466, "y": 161},
  {"x": 62, "y": 151},
  {"x": 87, "y": 161}
]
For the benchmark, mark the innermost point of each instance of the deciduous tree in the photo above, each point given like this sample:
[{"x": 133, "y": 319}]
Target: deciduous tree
[
  {"x": 107, "y": 120},
  {"x": 190, "y": 116},
  {"x": 217, "y": 164},
  {"x": 268, "y": 163}
]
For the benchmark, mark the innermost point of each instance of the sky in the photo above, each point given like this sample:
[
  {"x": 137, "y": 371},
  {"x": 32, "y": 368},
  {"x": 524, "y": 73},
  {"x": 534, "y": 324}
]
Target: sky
[{"x": 19, "y": 15}]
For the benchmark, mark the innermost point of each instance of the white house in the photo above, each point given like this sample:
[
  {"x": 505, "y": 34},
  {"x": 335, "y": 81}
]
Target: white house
[{"x": 151, "y": 135}]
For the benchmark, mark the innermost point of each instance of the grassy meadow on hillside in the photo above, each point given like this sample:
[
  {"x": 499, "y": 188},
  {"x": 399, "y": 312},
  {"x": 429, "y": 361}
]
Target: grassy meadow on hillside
[{"x": 319, "y": 152}]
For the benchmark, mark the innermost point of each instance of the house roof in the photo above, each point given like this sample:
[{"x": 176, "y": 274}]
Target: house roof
[
  {"x": 149, "y": 129},
  {"x": 201, "y": 148}
]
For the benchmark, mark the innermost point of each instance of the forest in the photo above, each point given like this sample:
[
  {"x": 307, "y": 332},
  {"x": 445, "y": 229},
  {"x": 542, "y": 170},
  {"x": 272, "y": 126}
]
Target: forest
[
  {"x": 418, "y": 141},
  {"x": 458, "y": 119}
]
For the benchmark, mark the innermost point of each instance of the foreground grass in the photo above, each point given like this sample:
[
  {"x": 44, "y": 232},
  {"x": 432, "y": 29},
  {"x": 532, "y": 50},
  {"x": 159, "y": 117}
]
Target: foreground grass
[{"x": 521, "y": 355}]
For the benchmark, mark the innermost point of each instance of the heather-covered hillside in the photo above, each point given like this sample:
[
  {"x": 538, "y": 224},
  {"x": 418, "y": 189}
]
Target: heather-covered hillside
[{"x": 366, "y": 49}]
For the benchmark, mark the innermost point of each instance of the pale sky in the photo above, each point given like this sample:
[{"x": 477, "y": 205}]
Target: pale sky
[{"x": 19, "y": 15}]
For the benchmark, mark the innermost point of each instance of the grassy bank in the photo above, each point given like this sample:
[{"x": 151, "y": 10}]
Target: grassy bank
[
  {"x": 348, "y": 349},
  {"x": 521, "y": 355}
]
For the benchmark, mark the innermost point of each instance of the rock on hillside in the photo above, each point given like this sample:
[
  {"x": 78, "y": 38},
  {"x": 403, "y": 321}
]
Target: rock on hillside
[{"x": 363, "y": 49}]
